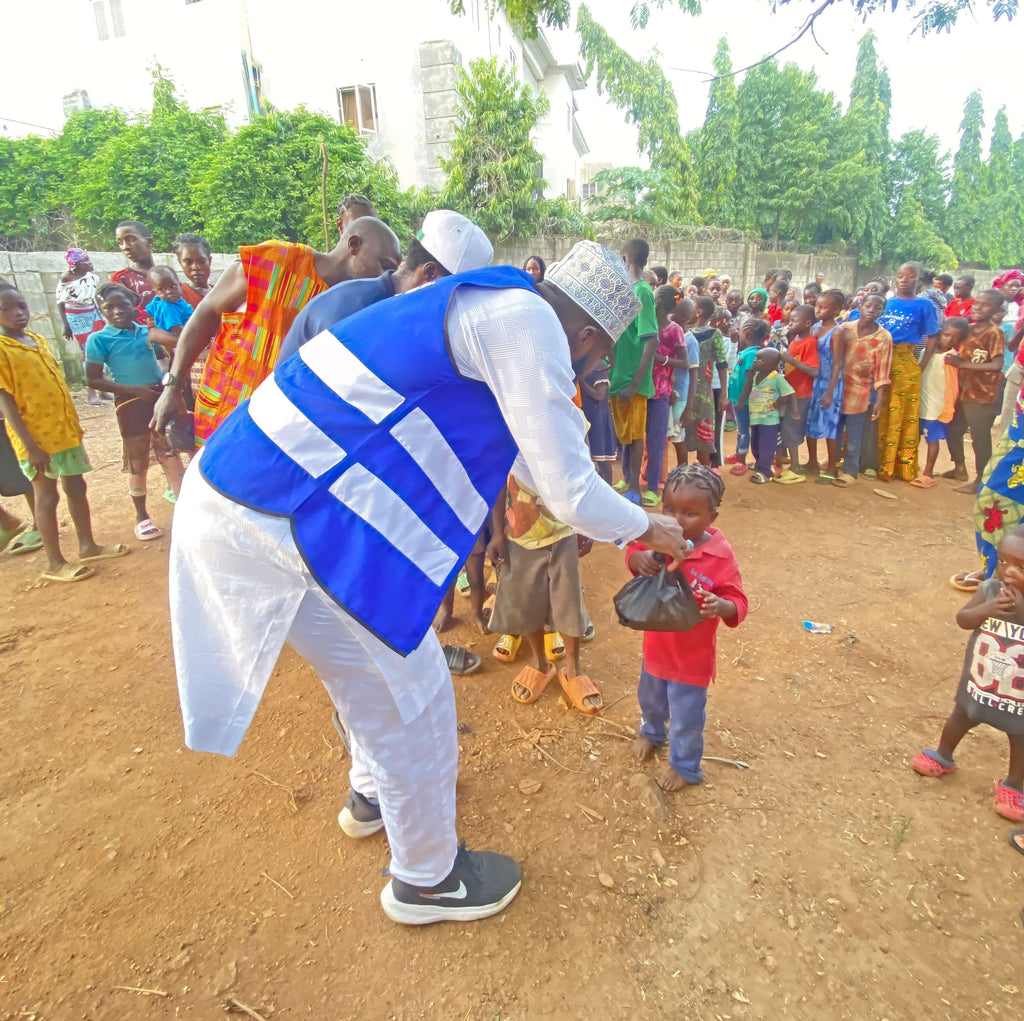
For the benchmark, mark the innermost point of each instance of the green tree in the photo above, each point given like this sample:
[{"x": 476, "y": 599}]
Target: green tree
[
  {"x": 917, "y": 166},
  {"x": 147, "y": 171},
  {"x": 966, "y": 226},
  {"x": 865, "y": 137},
  {"x": 930, "y": 15},
  {"x": 632, "y": 193},
  {"x": 717, "y": 147},
  {"x": 493, "y": 172},
  {"x": 639, "y": 88},
  {"x": 266, "y": 181},
  {"x": 914, "y": 238},
  {"x": 26, "y": 183},
  {"x": 999, "y": 213}
]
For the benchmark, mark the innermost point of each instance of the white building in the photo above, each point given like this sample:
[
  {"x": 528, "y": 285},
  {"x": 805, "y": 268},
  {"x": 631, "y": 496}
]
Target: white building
[{"x": 389, "y": 71}]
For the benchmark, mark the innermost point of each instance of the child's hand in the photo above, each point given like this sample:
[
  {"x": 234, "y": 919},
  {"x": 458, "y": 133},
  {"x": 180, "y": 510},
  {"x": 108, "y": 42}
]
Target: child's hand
[
  {"x": 37, "y": 457},
  {"x": 1009, "y": 600},
  {"x": 826, "y": 400},
  {"x": 145, "y": 393},
  {"x": 495, "y": 551},
  {"x": 710, "y": 605},
  {"x": 645, "y": 563}
]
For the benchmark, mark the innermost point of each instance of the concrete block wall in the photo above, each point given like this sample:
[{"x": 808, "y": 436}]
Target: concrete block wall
[
  {"x": 741, "y": 260},
  {"x": 35, "y": 274}
]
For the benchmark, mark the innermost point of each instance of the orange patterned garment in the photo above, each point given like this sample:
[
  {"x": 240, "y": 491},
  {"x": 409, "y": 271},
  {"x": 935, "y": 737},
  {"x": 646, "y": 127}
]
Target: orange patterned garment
[{"x": 280, "y": 280}]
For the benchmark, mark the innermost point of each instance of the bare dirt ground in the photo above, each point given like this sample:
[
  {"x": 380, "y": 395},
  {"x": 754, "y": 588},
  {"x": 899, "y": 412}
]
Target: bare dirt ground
[{"x": 141, "y": 880}]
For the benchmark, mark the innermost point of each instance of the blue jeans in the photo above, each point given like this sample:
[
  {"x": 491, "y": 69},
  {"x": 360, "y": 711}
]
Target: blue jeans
[
  {"x": 742, "y": 432},
  {"x": 681, "y": 708},
  {"x": 659, "y": 410},
  {"x": 854, "y": 428}
]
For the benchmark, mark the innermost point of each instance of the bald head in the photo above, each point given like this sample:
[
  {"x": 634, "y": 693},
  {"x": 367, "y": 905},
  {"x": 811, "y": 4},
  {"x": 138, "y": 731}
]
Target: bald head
[{"x": 370, "y": 248}]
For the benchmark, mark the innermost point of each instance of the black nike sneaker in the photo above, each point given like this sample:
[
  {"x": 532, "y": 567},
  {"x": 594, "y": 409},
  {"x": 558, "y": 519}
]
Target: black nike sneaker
[
  {"x": 360, "y": 817},
  {"x": 480, "y": 884}
]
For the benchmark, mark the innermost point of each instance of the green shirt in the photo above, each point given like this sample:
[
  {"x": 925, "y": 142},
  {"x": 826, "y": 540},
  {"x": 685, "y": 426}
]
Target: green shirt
[
  {"x": 764, "y": 398},
  {"x": 629, "y": 348}
]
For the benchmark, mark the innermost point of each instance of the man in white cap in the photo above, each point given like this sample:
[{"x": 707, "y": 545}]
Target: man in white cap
[
  {"x": 381, "y": 445},
  {"x": 447, "y": 243},
  {"x": 249, "y": 310}
]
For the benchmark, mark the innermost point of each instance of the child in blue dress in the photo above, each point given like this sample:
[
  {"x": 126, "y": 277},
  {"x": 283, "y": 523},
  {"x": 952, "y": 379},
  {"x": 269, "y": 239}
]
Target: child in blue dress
[{"x": 827, "y": 396}]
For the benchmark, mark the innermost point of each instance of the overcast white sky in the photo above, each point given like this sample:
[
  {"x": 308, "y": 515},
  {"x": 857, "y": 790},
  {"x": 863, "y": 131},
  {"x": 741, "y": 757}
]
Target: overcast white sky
[{"x": 931, "y": 77}]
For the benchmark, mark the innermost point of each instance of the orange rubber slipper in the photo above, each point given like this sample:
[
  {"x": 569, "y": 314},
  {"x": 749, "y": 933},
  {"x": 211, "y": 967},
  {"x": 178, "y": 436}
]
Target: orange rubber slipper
[
  {"x": 579, "y": 688},
  {"x": 534, "y": 681}
]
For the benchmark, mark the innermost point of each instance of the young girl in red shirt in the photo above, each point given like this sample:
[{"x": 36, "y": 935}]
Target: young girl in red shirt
[{"x": 678, "y": 666}]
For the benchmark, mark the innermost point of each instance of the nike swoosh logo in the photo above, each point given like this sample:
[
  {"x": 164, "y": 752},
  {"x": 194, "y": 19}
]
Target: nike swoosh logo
[{"x": 458, "y": 894}]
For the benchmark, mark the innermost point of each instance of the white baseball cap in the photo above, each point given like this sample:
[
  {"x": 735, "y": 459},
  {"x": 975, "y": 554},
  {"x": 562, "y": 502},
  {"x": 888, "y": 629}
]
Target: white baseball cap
[{"x": 455, "y": 241}]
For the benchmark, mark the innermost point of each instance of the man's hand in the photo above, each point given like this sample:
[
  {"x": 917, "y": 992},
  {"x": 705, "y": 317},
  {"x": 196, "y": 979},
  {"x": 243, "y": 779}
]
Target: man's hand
[
  {"x": 826, "y": 400},
  {"x": 627, "y": 393},
  {"x": 37, "y": 457},
  {"x": 644, "y": 562},
  {"x": 723, "y": 401},
  {"x": 665, "y": 535},
  {"x": 169, "y": 405}
]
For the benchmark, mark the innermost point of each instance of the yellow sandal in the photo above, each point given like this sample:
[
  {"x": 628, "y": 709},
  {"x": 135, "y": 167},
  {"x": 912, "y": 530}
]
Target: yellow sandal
[
  {"x": 507, "y": 648},
  {"x": 554, "y": 647}
]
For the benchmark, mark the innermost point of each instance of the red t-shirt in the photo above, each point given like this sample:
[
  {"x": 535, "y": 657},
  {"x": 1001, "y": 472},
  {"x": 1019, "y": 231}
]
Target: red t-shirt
[
  {"x": 689, "y": 656},
  {"x": 960, "y": 308},
  {"x": 774, "y": 314},
  {"x": 803, "y": 350}
]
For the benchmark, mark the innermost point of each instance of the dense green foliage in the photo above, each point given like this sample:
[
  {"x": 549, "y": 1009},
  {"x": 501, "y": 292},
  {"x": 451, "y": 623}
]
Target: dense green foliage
[
  {"x": 494, "y": 171},
  {"x": 178, "y": 169},
  {"x": 779, "y": 157},
  {"x": 929, "y": 15}
]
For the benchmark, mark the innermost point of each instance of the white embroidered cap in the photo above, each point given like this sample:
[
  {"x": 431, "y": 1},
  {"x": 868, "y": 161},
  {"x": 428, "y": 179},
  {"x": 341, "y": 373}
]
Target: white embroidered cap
[
  {"x": 455, "y": 241},
  {"x": 595, "y": 278}
]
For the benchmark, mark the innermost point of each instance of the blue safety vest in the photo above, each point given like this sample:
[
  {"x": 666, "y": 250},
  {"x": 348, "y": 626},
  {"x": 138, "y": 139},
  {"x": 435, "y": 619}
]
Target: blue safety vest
[{"x": 386, "y": 460}]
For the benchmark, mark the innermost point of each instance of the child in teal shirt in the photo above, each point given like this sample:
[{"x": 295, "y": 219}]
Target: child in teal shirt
[{"x": 766, "y": 393}]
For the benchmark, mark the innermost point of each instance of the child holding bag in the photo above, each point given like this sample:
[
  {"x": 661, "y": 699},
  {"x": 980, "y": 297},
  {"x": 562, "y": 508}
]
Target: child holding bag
[{"x": 678, "y": 666}]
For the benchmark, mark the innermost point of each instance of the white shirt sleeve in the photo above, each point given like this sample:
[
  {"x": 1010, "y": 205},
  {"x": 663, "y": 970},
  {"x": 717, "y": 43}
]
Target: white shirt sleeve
[{"x": 512, "y": 340}]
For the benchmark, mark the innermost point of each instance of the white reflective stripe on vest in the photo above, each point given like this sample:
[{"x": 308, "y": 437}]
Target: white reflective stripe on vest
[
  {"x": 285, "y": 425},
  {"x": 386, "y": 512},
  {"x": 337, "y": 368},
  {"x": 429, "y": 449}
]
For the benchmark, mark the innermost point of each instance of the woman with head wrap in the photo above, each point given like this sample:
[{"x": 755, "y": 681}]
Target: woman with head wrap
[{"x": 76, "y": 302}]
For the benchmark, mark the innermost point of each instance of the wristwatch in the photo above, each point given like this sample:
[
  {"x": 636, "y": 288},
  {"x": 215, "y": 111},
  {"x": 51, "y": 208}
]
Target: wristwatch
[{"x": 170, "y": 379}]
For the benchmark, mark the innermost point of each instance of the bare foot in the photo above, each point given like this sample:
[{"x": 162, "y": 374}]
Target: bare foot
[
  {"x": 970, "y": 488},
  {"x": 960, "y": 474},
  {"x": 480, "y": 619},
  {"x": 444, "y": 620},
  {"x": 811, "y": 468},
  {"x": 644, "y": 749},
  {"x": 670, "y": 780}
]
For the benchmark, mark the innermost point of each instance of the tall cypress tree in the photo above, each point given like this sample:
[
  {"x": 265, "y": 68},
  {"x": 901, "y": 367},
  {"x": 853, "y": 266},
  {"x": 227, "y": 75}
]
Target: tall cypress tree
[
  {"x": 966, "y": 226},
  {"x": 866, "y": 131},
  {"x": 718, "y": 147}
]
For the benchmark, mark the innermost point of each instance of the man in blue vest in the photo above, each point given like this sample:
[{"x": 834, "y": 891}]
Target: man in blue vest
[{"x": 381, "y": 445}]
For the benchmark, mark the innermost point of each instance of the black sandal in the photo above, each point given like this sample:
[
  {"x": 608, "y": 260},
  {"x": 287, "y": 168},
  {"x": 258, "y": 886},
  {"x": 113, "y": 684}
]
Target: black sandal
[{"x": 461, "y": 661}]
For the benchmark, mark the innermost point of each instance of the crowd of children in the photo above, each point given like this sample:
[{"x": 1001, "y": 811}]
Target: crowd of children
[
  {"x": 870, "y": 374},
  {"x": 124, "y": 329}
]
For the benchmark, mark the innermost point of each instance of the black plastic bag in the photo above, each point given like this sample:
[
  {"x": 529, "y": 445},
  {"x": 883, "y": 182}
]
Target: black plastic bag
[{"x": 662, "y": 603}]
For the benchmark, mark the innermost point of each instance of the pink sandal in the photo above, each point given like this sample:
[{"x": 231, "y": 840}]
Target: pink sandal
[
  {"x": 927, "y": 765},
  {"x": 1009, "y": 802}
]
